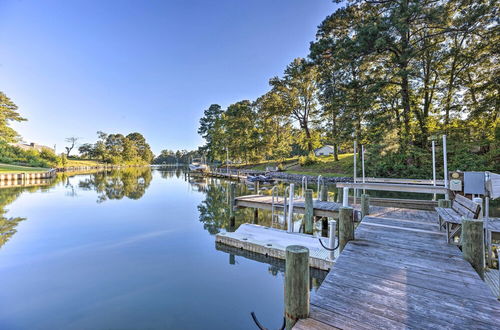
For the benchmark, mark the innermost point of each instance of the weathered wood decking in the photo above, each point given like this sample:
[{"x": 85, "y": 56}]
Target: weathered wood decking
[
  {"x": 321, "y": 209},
  {"x": 400, "y": 273}
]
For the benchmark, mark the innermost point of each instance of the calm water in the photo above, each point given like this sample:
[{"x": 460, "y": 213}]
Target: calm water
[{"x": 130, "y": 249}]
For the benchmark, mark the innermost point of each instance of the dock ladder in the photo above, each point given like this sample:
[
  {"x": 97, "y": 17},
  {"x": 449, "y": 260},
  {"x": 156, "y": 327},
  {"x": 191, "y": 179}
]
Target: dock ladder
[{"x": 278, "y": 211}]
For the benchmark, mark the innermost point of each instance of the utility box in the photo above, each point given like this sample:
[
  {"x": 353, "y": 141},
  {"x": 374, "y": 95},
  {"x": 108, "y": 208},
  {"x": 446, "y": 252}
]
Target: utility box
[
  {"x": 474, "y": 183},
  {"x": 455, "y": 180}
]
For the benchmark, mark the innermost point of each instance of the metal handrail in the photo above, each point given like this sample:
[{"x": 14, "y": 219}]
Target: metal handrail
[
  {"x": 304, "y": 185},
  {"x": 320, "y": 179}
]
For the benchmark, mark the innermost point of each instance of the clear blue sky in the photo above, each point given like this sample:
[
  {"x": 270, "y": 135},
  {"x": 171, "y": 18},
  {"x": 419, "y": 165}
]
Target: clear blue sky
[{"x": 76, "y": 67}]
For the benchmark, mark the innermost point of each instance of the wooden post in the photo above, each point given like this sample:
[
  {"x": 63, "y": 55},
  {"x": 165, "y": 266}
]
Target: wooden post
[
  {"x": 296, "y": 284},
  {"x": 444, "y": 203},
  {"x": 346, "y": 227},
  {"x": 365, "y": 205},
  {"x": 256, "y": 216},
  {"x": 309, "y": 212},
  {"x": 231, "y": 205},
  {"x": 472, "y": 244},
  {"x": 339, "y": 195},
  {"x": 257, "y": 187},
  {"x": 323, "y": 194}
]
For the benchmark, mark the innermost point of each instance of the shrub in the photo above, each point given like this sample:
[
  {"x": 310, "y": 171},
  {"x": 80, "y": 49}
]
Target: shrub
[{"x": 310, "y": 159}]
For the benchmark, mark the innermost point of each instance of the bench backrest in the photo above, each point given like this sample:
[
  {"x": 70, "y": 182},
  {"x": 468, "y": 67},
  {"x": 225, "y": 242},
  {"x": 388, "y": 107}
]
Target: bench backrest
[{"x": 466, "y": 207}]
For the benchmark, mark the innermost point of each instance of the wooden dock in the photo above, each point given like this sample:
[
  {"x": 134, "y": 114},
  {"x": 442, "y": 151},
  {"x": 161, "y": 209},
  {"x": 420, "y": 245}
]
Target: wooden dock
[
  {"x": 321, "y": 209},
  {"x": 400, "y": 273}
]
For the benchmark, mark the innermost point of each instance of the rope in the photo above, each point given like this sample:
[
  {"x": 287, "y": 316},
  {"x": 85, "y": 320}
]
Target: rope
[
  {"x": 327, "y": 248},
  {"x": 261, "y": 327}
]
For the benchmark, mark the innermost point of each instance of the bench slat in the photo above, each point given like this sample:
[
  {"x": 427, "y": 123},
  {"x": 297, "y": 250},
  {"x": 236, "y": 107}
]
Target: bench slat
[{"x": 468, "y": 204}]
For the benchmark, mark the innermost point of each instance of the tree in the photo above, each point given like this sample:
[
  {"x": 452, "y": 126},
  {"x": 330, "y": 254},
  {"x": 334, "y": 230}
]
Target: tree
[
  {"x": 8, "y": 114},
  {"x": 72, "y": 140},
  {"x": 143, "y": 149},
  {"x": 297, "y": 91}
]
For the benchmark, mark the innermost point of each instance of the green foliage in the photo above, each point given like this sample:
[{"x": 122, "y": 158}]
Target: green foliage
[
  {"x": 308, "y": 160},
  {"x": 8, "y": 113},
  {"x": 14, "y": 155},
  {"x": 388, "y": 74},
  {"x": 119, "y": 149}
]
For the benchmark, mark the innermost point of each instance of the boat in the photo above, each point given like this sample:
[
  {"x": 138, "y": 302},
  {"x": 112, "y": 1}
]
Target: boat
[
  {"x": 197, "y": 165},
  {"x": 261, "y": 179}
]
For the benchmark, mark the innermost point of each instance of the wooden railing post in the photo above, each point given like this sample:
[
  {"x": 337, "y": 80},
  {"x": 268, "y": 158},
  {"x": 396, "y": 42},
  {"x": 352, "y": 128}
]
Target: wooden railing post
[
  {"x": 365, "y": 205},
  {"x": 323, "y": 194},
  {"x": 346, "y": 226},
  {"x": 296, "y": 284},
  {"x": 339, "y": 195},
  {"x": 445, "y": 203},
  {"x": 309, "y": 212},
  {"x": 472, "y": 244}
]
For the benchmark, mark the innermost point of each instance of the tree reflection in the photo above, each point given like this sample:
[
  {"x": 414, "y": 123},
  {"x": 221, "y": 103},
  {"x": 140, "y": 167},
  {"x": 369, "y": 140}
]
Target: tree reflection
[
  {"x": 115, "y": 184},
  {"x": 214, "y": 210},
  {"x": 8, "y": 225}
]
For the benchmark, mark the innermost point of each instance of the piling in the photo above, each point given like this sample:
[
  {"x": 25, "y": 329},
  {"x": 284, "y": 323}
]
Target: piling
[
  {"x": 365, "y": 205},
  {"x": 256, "y": 216},
  {"x": 346, "y": 226},
  {"x": 232, "y": 217},
  {"x": 472, "y": 244},
  {"x": 331, "y": 237},
  {"x": 309, "y": 212},
  {"x": 323, "y": 194},
  {"x": 296, "y": 284}
]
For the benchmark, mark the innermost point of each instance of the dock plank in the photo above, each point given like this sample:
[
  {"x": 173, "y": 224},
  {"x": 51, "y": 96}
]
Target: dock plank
[{"x": 399, "y": 273}]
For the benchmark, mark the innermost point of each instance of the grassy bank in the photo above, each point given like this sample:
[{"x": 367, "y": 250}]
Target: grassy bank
[
  {"x": 8, "y": 168},
  {"x": 325, "y": 166}
]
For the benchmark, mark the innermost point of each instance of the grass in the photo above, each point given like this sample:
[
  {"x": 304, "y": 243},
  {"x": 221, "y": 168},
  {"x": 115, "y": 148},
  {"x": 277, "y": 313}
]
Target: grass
[
  {"x": 79, "y": 162},
  {"x": 7, "y": 168},
  {"x": 325, "y": 166}
]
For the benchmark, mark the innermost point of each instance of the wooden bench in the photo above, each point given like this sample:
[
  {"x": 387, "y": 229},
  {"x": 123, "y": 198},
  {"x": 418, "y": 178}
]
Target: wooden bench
[{"x": 451, "y": 218}]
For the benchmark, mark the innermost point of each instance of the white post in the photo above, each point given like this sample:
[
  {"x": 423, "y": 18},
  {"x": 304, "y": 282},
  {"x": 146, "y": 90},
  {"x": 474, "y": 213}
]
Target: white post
[
  {"x": 345, "y": 197},
  {"x": 363, "y": 164},
  {"x": 290, "y": 209},
  {"x": 332, "y": 226},
  {"x": 363, "y": 161},
  {"x": 355, "y": 152},
  {"x": 433, "y": 163},
  {"x": 355, "y": 167},
  {"x": 445, "y": 165}
]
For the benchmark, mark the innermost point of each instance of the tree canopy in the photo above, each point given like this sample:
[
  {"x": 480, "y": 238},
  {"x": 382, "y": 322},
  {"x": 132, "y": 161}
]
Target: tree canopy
[{"x": 392, "y": 75}]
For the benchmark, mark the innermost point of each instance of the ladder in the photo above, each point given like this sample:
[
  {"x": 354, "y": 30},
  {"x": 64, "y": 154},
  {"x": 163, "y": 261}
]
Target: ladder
[{"x": 278, "y": 210}]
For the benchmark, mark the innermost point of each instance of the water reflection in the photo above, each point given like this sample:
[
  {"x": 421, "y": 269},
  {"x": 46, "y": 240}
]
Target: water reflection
[
  {"x": 8, "y": 225},
  {"x": 276, "y": 266},
  {"x": 116, "y": 184}
]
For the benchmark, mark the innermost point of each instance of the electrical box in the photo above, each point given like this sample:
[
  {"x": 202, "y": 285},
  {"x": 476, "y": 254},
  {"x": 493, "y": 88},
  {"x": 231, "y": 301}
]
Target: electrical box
[
  {"x": 474, "y": 183},
  {"x": 455, "y": 180},
  {"x": 456, "y": 185}
]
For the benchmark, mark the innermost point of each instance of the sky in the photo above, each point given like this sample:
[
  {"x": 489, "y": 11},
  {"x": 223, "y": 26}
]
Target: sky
[{"x": 120, "y": 66}]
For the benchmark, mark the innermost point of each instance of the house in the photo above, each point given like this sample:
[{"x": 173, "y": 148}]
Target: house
[
  {"x": 325, "y": 150},
  {"x": 31, "y": 146}
]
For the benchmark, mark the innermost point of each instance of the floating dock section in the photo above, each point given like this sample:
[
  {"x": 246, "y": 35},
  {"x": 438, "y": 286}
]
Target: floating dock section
[{"x": 273, "y": 242}]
